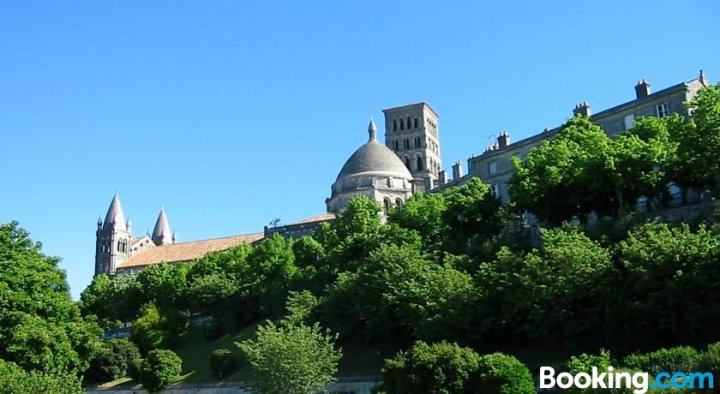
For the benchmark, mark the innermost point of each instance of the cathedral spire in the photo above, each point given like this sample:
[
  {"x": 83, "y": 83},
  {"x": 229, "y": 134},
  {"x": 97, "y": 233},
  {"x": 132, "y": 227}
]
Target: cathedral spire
[
  {"x": 372, "y": 130},
  {"x": 161, "y": 234},
  {"x": 115, "y": 217}
]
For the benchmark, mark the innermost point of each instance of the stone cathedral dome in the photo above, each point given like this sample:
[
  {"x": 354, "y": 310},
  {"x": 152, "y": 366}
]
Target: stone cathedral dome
[{"x": 374, "y": 171}]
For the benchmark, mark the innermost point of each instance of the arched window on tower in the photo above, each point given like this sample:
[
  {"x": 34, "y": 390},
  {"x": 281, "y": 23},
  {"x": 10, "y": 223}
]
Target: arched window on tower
[
  {"x": 415, "y": 122},
  {"x": 125, "y": 246},
  {"x": 402, "y": 125},
  {"x": 394, "y": 125},
  {"x": 419, "y": 163},
  {"x": 407, "y": 162},
  {"x": 398, "y": 203},
  {"x": 408, "y": 123},
  {"x": 119, "y": 245}
]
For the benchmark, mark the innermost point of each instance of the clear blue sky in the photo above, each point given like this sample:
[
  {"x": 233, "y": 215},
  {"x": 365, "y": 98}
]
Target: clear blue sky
[{"x": 232, "y": 113}]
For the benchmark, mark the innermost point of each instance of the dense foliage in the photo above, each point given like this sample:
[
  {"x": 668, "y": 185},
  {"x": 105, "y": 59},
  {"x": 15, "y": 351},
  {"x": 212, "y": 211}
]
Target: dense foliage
[
  {"x": 292, "y": 359},
  {"x": 456, "y": 266},
  {"x": 159, "y": 369},
  {"x": 41, "y": 329},
  {"x": 441, "y": 368},
  {"x": 113, "y": 361},
  {"x": 15, "y": 380}
]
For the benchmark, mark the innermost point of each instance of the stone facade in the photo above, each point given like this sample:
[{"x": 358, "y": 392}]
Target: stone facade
[{"x": 494, "y": 165}]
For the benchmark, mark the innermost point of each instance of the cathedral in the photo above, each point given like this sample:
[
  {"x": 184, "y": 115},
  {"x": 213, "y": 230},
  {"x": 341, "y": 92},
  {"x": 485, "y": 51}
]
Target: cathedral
[{"x": 408, "y": 162}]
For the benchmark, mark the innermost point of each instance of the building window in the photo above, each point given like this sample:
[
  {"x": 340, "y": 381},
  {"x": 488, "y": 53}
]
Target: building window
[
  {"x": 395, "y": 145},
  {"x": 419, "y": 163},
  {"x": 402, "y": 124},
  {"x": 406, "y": 143},
  {"x": 394, "y": 125},
  {"x": 417, "y": 142},
  {"x": 398, "y": 203},
  {"x": 661, "y": 110},
  {"x": 492, "y": 167},
  {"x": 415, "y": 122},
  {"x": 407, "y": 163},
  {"x": 386, "y": 204},
  {"x": 629, "y": 121},
  {"x": 494, "y": 190},
  {"x": 408, "y": 123}
]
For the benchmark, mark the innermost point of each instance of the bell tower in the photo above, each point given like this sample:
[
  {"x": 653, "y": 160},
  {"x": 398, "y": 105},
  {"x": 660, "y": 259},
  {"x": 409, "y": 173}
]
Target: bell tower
[
  {"x": 411, "y": 131},
  {"x": 112, "y": 244}
]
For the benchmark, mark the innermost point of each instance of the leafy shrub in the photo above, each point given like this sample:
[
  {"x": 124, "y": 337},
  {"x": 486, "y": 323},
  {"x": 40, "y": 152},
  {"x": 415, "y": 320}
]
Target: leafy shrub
[
  {"x": 709, "y": 360},
  {"x": 213, "y": 328},
  {"x": 291, "y": 359},
  {"x": 135, "y": 369},
  {"x": 222, "y": 363},
  {"x": 498, "y": 373},
  {"x": 438, "y": 368},
  {"x": 148, "y": 332},
  {"x": 14, "y": 379},
  {"x": 113, "y": 361},
  {"x": 585, "y": 363},
  {"x": 680, "y": 358},
  {"x": 160, "y": 368}
]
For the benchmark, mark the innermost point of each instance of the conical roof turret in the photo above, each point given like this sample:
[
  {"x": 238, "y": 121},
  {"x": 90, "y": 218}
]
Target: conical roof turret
[
  {"x": 115, "y": 217},
  {"x": 161, "y": 234},
  {"x": 372, "y": 131}
]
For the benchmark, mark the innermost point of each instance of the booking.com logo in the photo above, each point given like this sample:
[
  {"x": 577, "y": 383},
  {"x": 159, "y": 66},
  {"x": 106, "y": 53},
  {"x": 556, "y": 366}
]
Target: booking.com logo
[{"x": 640, "y": 382}]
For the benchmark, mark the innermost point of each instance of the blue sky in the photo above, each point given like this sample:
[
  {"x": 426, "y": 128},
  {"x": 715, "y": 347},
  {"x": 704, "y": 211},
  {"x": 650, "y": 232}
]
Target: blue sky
[{"x": 232, "y": 113}]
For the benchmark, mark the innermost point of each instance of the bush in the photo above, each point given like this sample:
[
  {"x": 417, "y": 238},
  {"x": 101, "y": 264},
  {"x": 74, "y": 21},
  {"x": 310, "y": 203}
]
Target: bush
[
  {"x": 585, "y": 363},
  {"x": 213, "y": 328},
  {"x": 160, "y": 368},
  {"x": 438, "y": 368},
  {"x": 14, "y": 380},
  {"x": 113, "y": 361},
  {"x": 680, "y": 358},
  {"x": 291, "y": 359},
  {"x": 709, "y": 360},
  {"x": 498, "y": 373},
  {"x": 222, "y": 363},
  {"x": 135, "y": 369}
]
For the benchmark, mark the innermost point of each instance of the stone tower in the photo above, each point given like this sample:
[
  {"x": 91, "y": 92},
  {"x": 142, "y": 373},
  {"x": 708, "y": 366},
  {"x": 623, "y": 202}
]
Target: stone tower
[
  {"x": 112, "y": 245},
  {"x": 411, "y": 131}
]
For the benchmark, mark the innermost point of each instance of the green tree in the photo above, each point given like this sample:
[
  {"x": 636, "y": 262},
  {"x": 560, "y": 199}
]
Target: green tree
[
  {"x": 472, "y": 216},
  {"x": 641, "y": 160},
  {"x": 15, "y": 380},
  {"x": 294, "y": 359},
  {"x": 157, "y": 328},
  {"x": 272, "y": 270},
  {"x": 552, "y": 293},
  {"x": 567, "y": 176},
  {"x": 424, "y": 213},
  {"x": 498, "y": 373},
  {"x": 671, "y": 277},
  {"x": 41, "y": 329},
  {"x": 164, "y": 284},
  {"x": 159, "y": 369},
  {"x": 440, "y": 368},
  {"x": 113, "y": 361},
  {"x": 698, "y": 152}
]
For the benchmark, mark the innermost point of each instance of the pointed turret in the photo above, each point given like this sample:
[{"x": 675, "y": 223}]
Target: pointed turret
[
  {"x": 372, "y": 130},
  {"x": 161, "y": 234},
  {"x": 115, "y": 217}
]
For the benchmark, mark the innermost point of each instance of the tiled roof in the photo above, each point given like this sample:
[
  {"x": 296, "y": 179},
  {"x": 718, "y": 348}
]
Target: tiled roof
[
  {"x": 186, "y": 251},
  {"x": 319, "y": 218}
]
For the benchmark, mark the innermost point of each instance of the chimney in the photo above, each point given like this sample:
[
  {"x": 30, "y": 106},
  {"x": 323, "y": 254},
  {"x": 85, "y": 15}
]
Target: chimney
[
  {"x": 582, "y": 109},
  {"x": 642, "y": 89},
  {"x": 503, "y": 139},
  {"x": 457, "y": 170},
  {"x": 442, "y": 177},
  {"x": 703, "y": 79}
]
